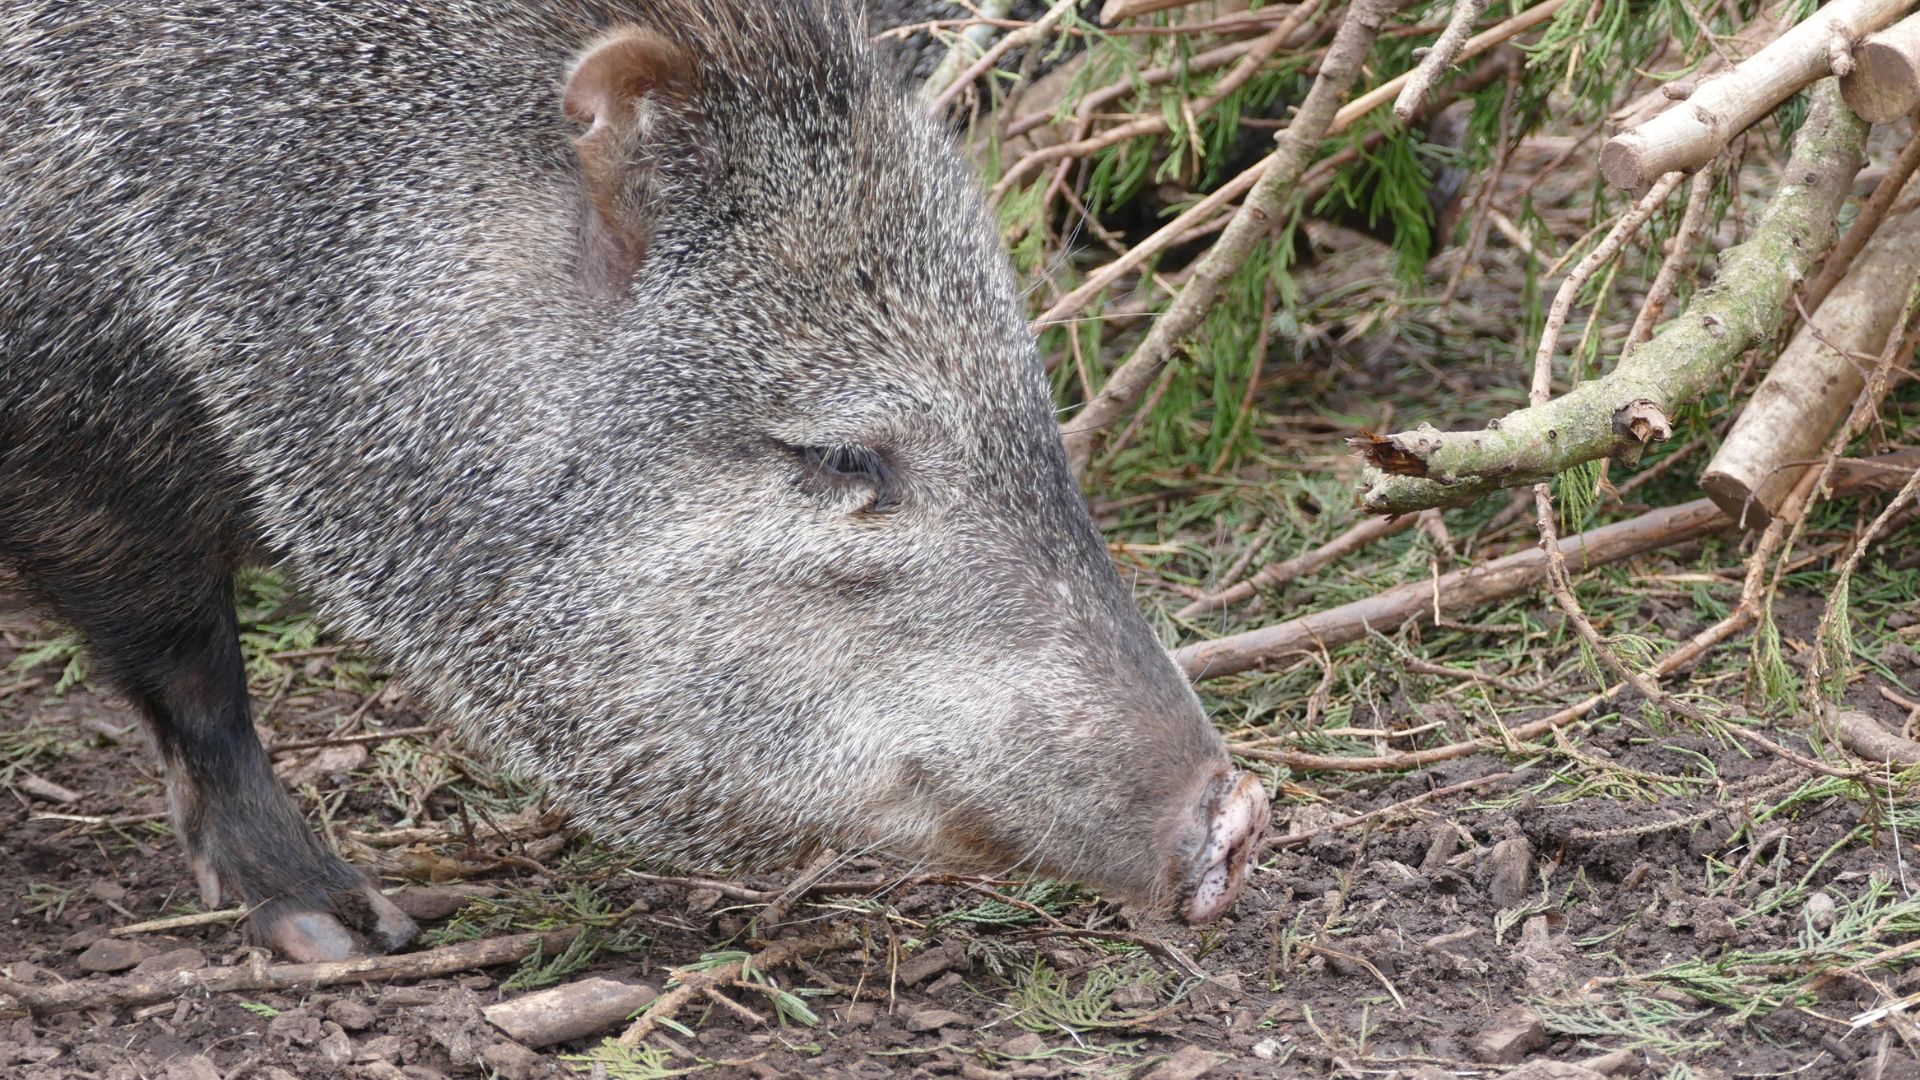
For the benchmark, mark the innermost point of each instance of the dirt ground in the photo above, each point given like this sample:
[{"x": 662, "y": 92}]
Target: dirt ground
[{"x": 1639, "y": 898}]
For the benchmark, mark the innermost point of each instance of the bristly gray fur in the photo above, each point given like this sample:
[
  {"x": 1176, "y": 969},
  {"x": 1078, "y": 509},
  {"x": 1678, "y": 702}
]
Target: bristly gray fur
[{"x": 341, "y": 239}]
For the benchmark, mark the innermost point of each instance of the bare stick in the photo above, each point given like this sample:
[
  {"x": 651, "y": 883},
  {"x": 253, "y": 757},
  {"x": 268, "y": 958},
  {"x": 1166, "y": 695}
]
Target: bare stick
[
  {"x": 1863, "y": 736},
  {"x": 146, "y": 989},
  {"x": 1455, "y": 591},
  {"x": 1693, "y": 134},
  {"x": 1251, "y": 225},
  {"x": 1583, "y": 271},
  {"x": 976, "y": 35},
  {"x": 1257, "y": 54},
  {"x": 1443, "y": 54},
  {"x": 571, "y": 1011},
  {"x": 1115, "y": 10},
  {"x": 1885, "y": 83},
  {"x": 1365, "y": 532},
  {"x": 1691, "y": 221},
  {"x": 1815, "y": 381},
  {"x": 180, "y": 922},
  {"x": 1475, "y": 45},
  {"x": 1296, "y": 839},
  {"x": 1497, "y": 580},
  {"x": 1613, "y": 416}
]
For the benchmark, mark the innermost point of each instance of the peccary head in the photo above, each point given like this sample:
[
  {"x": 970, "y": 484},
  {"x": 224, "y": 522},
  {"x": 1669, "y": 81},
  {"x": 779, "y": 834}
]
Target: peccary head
[{"x": 838, "y": 586}]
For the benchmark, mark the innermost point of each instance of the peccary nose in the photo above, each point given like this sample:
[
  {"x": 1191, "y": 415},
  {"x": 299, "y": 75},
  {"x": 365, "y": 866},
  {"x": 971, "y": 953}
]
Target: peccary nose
[{"x": 1236, "y": 816}]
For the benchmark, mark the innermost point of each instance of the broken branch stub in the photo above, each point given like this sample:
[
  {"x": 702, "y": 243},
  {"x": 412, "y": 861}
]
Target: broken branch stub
[
  {"x": 1885, "y": 83},
  {"x": 1695, "y": 131},
  {"x": 1617, "y": 414}
]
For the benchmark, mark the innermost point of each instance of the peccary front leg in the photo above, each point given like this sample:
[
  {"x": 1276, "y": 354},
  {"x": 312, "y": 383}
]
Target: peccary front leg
[{"x": 245, "y": 839}]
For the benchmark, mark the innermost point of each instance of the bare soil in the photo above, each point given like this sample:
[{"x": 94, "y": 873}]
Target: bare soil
[{"x": 1400, "y": 945}]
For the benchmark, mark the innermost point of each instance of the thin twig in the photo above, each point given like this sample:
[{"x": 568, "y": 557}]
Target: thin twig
[{"x": 1446, "y": 49}]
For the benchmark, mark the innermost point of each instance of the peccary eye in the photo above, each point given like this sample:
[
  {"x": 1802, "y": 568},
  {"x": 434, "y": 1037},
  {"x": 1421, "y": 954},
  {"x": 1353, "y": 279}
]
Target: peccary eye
[{"x": 848, "y": 464}]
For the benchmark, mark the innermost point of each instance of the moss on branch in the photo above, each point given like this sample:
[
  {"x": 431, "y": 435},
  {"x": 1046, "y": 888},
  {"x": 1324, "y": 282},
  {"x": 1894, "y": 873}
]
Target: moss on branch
[{"x": 1618, "y": 414}]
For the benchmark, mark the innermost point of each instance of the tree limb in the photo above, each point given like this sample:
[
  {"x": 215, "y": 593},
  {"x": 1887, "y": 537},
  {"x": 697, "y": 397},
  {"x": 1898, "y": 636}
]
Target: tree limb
[
  {"x": 1616, "y": 415},
  {"x": 1692, "y": 134},
  {"x": 1251, "y": 225}
]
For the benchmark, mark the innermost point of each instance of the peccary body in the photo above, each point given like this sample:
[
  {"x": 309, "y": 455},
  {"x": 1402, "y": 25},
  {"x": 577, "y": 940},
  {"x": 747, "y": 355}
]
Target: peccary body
[{"x": 642, "y": 379}]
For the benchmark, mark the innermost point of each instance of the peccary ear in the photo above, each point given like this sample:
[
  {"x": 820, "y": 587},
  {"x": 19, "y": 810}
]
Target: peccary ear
[{"x": 622, "y": 87}]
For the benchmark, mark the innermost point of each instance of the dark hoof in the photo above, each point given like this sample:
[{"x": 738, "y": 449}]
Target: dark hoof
[{"x": 305, "y": 935}]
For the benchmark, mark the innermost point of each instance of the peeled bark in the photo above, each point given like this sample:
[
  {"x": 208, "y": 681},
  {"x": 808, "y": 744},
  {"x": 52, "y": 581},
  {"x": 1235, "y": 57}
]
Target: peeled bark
[
  {"x": 1692, "y": 134},
  {"x": 1814, "y": 383}
]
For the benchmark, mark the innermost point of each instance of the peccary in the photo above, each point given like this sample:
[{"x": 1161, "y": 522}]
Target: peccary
[{"x": 643, "y": 379}]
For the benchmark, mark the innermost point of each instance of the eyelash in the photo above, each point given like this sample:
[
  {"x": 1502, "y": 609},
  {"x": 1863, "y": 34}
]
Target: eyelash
[{"x": 856, "y": 464}]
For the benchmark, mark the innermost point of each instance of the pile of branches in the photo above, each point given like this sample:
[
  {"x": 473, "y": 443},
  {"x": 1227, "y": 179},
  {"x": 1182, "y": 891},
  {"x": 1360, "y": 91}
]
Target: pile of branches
[{"x": 1155, "y": 162}]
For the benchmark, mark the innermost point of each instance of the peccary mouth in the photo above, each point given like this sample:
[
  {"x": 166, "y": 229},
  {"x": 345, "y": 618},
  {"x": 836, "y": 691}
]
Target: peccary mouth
[{"x": 1236, "y": 818}]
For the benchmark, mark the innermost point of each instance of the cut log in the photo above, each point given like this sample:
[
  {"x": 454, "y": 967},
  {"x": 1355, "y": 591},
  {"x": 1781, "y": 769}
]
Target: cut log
[
  {"x": 1885, "y": 84},
  {"x": 1814, "y": 383},
  {"x": 1692, "y": 134}
]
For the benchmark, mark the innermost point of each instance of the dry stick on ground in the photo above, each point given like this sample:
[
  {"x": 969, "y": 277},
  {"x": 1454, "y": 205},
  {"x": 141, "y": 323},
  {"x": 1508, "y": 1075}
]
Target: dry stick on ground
[
  {"x": 1026, "y": 35},
  {"x": 128, "y": 990},
  {"x": 1863, "y": 736},
  {"x": 1115, "y": 10},
  {"x": 1691, "y": 221},
  {"x": 1251, "y": 225},
  {"x": 695, "y": 984},
  {"x": 1815, "y": 382},
  {"x": 1610, "y": 416},
  {"x": 1695, "y": 132},
  {"x": 1446, "y": 49},
  {"x": 1497, "y": 580},
  {"x": 1885, "y": 83},
  {"x": 1256, "y": 56},
  {"x": 1360, "y": 535}
]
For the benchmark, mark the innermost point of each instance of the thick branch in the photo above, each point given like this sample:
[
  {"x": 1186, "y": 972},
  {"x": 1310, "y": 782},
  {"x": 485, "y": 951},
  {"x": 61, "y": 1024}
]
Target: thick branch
[
  {"x": 1885, "y": 84},
  {"x": 1251, "y": 224},
  {"x": 1615, "y": 416},
  {"x": 1692, "y": 134},
  {"x": 1463, "y": 590},
  {"x": 1815, "y": 381}
]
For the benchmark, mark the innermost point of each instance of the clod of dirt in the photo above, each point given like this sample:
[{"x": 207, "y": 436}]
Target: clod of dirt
[
  {"x": 1616, "y": 1063},
  {"x": 171, "y": 962},
  {"x": 933, "y": 1020},
  {"x": 922, "y": 966},
  {"x": 351, "y": 1015},
  {"x": 511, "y": 1061},
  {"x": 109, "y": 955},
  {"x": 1509, "y": 869},
  {"x": 1821, "y": 911},
  {"x": 1514, "y": 1033},
  {"x": 197, "y": 1067},
  {"x": 1189, "y": 1063},
  {"x": 1026, "y": 1044}
]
